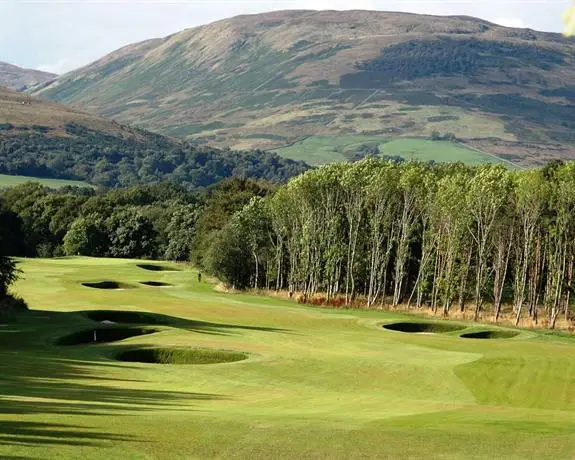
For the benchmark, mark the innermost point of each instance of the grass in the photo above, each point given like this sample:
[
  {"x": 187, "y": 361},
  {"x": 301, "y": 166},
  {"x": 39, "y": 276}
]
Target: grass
[
  {"x": 319, "y": 383},
  {"x": 318, "y": 150},
  {"x": 11, "y": 181}
]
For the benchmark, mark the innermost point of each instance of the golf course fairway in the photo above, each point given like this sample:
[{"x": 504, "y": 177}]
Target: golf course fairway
[{"x": 240, "y": 376}]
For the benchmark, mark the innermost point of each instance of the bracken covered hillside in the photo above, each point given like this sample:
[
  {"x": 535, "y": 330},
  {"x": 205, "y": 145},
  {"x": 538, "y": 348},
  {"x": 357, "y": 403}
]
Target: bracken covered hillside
[{"x": 268, "y": 80}]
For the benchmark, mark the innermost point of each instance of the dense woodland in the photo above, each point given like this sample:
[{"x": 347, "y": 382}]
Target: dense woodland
[
  {"x": 448, "y": 237},
  {"x": 375, "y": 232},
  {"x": 161, "y": 221},
  {"x": 112, "y": 161}
]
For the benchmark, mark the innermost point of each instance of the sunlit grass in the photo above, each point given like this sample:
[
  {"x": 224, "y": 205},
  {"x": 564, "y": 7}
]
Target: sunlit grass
[{"x": 317, "y": 384}]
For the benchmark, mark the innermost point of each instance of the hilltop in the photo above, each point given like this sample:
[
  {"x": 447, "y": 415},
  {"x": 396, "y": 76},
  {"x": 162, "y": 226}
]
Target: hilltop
[
  {"x": 49, "y": 140},
  {"x": 270, "y": 80},
  {"x": 20, "y": 79}
]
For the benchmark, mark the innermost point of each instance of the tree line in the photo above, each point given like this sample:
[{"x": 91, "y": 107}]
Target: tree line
[
  {"x": 158, "y": 221},
  {"x": 111, "y": 161},
  {"x": 418, "y": 235}
]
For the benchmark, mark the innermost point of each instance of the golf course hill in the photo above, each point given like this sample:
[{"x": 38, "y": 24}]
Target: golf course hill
[
  {"x": 344, "y": 79},
  {"x": 20, "y": 79},
  {"x": 47, "y": 140}
]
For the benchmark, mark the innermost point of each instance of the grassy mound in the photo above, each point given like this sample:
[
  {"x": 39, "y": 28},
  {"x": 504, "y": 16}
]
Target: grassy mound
[
  {"x": 103, "y": 335},
  {"x": 111, "y": 285},
  {"x": 490, "y": 335},
  {"x": 158, "y": 268},
  {"x": 155, "y": 284},
  {"x": 115, "y": 316},
  {"x": 180, "y": 356},
  {"x": 418, "y": 328}
]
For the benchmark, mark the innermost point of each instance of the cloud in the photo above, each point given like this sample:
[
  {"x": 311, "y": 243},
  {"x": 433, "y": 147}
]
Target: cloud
[{"x": 516, "y": 22}]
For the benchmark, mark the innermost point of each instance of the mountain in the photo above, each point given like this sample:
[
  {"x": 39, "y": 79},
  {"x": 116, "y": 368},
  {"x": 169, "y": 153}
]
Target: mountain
[
  {"x": 273, "y": 79},
  {"x": 19, "y": 79},
  {"x": 48, "y": 140}
]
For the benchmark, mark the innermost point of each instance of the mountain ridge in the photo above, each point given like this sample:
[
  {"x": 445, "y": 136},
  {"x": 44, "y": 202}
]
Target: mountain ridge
[
  {"x": 267, "y": 80},
  {"x": 20, "y": 79}
]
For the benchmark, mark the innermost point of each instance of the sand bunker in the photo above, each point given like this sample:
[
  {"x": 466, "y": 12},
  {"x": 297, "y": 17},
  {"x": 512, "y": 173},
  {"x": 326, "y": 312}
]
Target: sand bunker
[
  {"x": 422, "y": 328},
  {"x": 158, "y": 268},
  {"x": 155, "y": 284},
  {"x": 490, "y": 335},
  {"x": 118, "y": 316},
  {"x": 111, "y": 285},
  {"x": 180, "y": 356},
  {"x": 103, "y": 335}
]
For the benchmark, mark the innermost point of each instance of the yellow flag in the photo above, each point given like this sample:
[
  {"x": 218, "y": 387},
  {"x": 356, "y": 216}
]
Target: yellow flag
[{"x": 569, "y": 18}]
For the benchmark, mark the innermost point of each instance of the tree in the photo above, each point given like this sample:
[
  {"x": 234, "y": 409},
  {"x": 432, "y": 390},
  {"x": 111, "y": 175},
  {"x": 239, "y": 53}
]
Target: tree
[
  {"x": 87, "y": 236},
  {"x": 8, "y": 274},
  {"x": 131, "y": 235}
]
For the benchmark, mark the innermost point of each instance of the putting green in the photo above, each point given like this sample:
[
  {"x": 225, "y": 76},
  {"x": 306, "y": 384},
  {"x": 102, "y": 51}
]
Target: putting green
[{"x": 317, "y": 383}]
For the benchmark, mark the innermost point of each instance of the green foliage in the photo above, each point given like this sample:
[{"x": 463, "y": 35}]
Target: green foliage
[
  {"x": 111, "y": 161},
  {"x": 86, "y": 236},
  {"x": 223, "y": 200},
  {"x": 433, "y": 234}
]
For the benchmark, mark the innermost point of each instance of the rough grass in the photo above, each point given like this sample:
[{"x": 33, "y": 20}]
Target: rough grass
[
  {"x": 325, "y": 384},
  {"x": 11, "y": 181},
  {"x": 180, "y": 356}
]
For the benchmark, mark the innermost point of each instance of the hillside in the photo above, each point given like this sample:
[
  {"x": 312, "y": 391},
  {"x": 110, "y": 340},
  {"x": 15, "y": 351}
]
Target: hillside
[
  {"x": 270, "y": 80},
  {"x": 19, "y": 79},
  {"x": 49, "y": 140}
]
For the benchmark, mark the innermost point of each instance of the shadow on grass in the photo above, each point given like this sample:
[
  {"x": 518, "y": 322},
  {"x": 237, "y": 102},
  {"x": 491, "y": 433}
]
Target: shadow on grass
[
  {"x": 43, "y": 384},
  {"x": 31, "y": 433},
  {"x": 145, "y": 318},
  {"x": 37, "y": 379}
]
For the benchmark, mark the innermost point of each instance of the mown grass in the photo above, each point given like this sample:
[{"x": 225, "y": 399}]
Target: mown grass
[
  {"x": 11, "y": 181},
  {"x": 319, "y": 383},
  {"x": 318, "y": 150}
]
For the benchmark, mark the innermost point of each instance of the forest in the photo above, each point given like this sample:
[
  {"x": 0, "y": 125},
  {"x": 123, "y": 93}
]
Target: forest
[
  {"x": 110, "y": 161},
  {"x": 447, "y": 56},
  {"x": 447, "y": 237},
  {"x": 375, "y": 233}
]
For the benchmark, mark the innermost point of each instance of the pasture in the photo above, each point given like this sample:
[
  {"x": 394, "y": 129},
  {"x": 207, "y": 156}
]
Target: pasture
[
  {"x": 11, "y": 181},
  {"x": 223, "y": 375},
  {"x": 319, "y": 150}
]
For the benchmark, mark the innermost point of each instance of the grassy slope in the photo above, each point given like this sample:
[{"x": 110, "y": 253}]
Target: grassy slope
[
  {"x": 321, "y": 150},
  {"x": 266, "y": 80},
  {"x": 11, "y": 181},
  {"x": 320, "y": 384},
  {"x": 17, "y": 78}
]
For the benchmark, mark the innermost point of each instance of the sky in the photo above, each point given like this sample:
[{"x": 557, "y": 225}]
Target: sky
[{"x": 62, "y": 35}]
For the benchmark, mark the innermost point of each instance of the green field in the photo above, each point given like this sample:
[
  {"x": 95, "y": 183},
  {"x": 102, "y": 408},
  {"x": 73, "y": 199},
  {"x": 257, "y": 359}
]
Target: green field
[
  {"x": 319, "y": 150},
  {"x": 317, "y": 383},
  {"x": 11, "y": 181}
]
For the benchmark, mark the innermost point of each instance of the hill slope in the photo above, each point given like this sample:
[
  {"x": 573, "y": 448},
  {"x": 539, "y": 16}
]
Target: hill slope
[
  {"x": 268, "y": 80},
  {"x": 48, "y": 140},
  {"x": 19, "y": 79}
]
